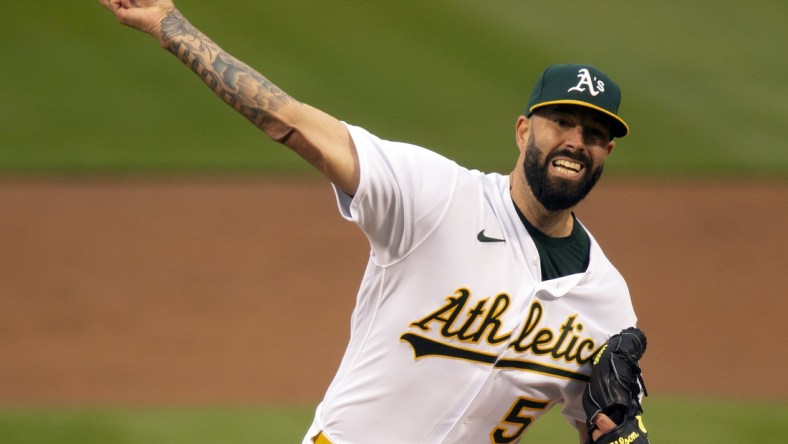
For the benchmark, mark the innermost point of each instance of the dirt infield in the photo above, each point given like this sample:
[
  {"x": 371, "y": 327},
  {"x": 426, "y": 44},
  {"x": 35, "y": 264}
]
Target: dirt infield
[{"x": 240, "y": 291}]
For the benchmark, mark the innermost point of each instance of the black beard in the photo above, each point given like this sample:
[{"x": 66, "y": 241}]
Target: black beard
[{"x": 557, "y": 194}]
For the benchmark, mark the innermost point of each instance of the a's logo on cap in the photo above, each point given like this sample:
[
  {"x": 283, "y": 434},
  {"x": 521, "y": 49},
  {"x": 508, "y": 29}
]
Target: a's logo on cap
[{"x": 587, "y": 81}]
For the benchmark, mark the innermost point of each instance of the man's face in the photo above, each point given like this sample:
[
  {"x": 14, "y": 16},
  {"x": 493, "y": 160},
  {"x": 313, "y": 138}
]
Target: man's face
[{"x": 566, "y": 163}]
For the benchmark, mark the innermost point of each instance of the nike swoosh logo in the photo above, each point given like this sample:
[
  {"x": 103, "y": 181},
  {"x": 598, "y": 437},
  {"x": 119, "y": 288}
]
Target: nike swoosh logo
[{"x": 482, "y": 238}]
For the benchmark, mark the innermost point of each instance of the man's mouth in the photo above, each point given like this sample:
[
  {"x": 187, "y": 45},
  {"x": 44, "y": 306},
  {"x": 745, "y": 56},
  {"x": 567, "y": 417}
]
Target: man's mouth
[{"x": 567, "y": 167}]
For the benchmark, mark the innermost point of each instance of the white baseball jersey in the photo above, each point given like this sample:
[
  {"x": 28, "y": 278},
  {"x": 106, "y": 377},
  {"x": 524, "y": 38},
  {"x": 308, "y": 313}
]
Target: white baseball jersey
[{"x": 454, "y": 337}]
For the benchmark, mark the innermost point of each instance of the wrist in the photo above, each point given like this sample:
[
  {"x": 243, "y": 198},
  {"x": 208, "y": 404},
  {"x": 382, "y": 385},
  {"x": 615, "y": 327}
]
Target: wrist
[{"x": 171, "y": 26}]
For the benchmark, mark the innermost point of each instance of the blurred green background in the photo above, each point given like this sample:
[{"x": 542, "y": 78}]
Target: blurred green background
[
  {"x": 704, "y": 87},
  {"x": 671, "y": 420},
  {"x": 704, "y": 83}
]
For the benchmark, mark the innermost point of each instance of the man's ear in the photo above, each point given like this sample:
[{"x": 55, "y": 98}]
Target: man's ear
[{"x": 521, "y": 132}]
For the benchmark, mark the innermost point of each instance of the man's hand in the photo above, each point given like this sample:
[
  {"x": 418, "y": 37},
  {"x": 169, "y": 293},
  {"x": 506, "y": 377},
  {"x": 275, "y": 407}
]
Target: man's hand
[
  {"x": 143, "y": 15},
  {"x": 611, "y": 399},
  {"x": 603, "y": 425}
]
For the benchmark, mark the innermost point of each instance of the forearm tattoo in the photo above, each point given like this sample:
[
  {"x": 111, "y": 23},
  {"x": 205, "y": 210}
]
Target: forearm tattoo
[{"x": 240, "y": 86}]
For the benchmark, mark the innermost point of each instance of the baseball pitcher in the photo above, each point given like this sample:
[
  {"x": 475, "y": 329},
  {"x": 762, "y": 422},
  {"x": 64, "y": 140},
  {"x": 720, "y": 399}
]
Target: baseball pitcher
[{"x": 486, "y": 301}]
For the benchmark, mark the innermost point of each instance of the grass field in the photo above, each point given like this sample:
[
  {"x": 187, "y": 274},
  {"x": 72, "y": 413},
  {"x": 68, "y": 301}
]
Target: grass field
[
  {"x": 704, "y": 83},
  {"x": 668, "y": 420}
]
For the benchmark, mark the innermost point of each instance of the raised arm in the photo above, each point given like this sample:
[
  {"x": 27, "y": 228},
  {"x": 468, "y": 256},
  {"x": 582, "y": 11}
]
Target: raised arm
[{"x": 319, "y": 138}]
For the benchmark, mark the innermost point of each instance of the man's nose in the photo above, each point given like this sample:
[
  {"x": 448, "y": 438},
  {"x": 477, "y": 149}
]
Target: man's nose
[{"x": 575, "y": 137}]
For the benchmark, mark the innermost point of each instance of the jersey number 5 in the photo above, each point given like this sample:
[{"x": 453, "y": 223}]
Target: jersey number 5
[{"x": 517, "y": 420}]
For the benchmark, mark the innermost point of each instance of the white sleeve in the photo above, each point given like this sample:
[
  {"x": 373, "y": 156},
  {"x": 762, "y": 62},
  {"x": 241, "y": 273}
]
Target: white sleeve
[{"x": 403, "y": 193}]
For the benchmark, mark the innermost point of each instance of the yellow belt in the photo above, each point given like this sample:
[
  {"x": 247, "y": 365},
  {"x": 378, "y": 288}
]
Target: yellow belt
[{"x": 321, "y": 439}]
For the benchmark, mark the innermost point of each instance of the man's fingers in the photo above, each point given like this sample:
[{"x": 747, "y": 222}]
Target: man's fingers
[
  {"x": 112, "y": 5},
  {"x": 115, "y": 5},
  {"x": 604, "y": 424}
]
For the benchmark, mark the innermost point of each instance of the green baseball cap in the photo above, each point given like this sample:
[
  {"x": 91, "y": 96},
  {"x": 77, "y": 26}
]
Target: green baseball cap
[{"x": 580, "y": 85}]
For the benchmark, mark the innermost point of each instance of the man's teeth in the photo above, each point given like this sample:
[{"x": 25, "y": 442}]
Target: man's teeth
[{"x": 569, "y": 165}]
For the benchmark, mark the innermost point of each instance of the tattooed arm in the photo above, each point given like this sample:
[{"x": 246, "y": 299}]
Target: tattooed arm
[{"x": 318, "y": 137}]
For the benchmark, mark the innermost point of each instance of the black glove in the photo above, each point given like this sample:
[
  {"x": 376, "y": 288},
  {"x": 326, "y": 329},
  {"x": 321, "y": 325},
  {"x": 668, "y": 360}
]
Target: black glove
[{"x": 614, "y": 388}]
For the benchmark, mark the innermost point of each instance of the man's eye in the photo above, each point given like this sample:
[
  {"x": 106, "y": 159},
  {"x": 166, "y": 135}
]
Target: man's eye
[
  {"x": 597, "y": 135},
  {"x": 593, "y": 132}
]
